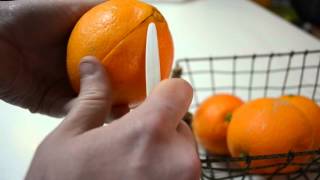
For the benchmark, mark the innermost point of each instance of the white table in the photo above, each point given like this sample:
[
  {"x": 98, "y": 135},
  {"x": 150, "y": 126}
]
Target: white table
[
  {"x": 199, "y": 28},
  {"x": 227, "y": 27}
]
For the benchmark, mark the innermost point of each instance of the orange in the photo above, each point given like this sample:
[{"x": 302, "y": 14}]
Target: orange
[
  {"x": 311, "y": 111},
  {"x": 269, "y": 126},
  {"x": 266, "y": 3},
  {"x": 115, "y": 32},
  {"x": 211, "y": 121}
]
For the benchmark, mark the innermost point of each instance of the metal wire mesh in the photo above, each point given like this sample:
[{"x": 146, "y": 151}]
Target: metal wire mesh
[{"x": 249, "y": 77}]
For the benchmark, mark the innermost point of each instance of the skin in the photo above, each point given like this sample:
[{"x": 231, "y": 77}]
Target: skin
[
  {"x": 33, "y": 39},
  {"x": 150, "y": 142}
]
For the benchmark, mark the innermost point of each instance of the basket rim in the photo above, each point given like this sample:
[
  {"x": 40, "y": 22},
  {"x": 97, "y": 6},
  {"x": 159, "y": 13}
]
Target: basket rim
[
  {"x": 246, "y": 56},
  {"x": 290, "y": 154}
]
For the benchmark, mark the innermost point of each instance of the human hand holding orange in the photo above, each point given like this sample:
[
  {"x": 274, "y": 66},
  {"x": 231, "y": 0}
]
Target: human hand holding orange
[
  {"x": 34, "y": 73},
  {"x": 33, "y": 40},
  {"x": 149, "y": 143}
]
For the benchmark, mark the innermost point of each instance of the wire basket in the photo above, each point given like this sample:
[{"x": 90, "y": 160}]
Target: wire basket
[{"x": 250, "y": 77}]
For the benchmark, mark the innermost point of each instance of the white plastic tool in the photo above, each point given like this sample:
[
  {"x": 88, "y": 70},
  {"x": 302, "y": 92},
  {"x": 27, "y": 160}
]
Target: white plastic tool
[{"x": 153, "y": 75}]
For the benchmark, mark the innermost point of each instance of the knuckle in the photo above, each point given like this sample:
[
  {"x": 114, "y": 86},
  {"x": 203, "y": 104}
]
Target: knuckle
[
  {"x": 156, "y": 121},
  {"x": 163, "y": 113},
  {"x": 95, "y": 97},
  {"x": 153, "y": 126},
  {"x": 96, "y": 93},
  {"x": 167, "y": 108}
]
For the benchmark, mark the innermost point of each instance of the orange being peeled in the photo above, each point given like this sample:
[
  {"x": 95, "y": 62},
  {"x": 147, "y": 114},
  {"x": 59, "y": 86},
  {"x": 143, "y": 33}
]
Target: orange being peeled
[{"x": 115, "y": 32}]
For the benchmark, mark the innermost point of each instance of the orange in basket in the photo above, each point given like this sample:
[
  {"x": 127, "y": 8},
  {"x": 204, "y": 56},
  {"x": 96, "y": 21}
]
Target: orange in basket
[
  {"x": 211, "y": 121},
  {"x": 311, "y": 111},
  {"x": 269, "y": 126},
  {"x": 115, "y": 32}
]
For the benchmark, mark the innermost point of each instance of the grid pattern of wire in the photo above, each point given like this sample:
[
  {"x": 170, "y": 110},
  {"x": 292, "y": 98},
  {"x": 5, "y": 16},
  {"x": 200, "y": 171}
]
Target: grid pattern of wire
[{"x": 249, "y": 77}]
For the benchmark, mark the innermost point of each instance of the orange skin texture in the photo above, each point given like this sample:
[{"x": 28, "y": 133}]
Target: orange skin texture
[
  {"x": 115, "y": 32},
  {"x": 311, "y": 110},
  {"x": 210, "y": 122},
  {"x": 269, "y": 126}
]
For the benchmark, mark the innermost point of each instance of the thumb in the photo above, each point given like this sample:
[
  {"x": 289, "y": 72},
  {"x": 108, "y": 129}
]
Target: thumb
[
  {"x": 165, "y": 107},
  {"x": 93, "y": 104}
]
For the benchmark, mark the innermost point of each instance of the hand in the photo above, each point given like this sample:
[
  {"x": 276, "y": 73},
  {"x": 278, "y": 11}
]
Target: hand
[
  {"x": 149, "y": 143},
  {"x": 33, "y": 39}
]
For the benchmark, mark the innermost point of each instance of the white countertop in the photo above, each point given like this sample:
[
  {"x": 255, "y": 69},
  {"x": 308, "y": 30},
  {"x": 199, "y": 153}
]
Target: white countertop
[
  {"x": 199, "y": 28},
  {"x": 228, "y": 27}
]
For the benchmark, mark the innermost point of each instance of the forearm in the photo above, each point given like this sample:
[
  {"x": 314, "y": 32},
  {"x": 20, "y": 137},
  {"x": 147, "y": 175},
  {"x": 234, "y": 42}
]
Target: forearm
[
  {"x": 8, "y": 51},
  {"x": 7, "y": 18}
]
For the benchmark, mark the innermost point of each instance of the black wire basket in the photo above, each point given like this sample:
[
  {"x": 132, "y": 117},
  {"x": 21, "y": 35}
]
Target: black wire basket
[{"x": 249, "y": 77}]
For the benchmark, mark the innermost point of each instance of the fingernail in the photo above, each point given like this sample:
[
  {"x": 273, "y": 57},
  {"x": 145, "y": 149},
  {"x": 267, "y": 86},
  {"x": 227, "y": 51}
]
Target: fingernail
[{"x": 87, "y": 68}]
